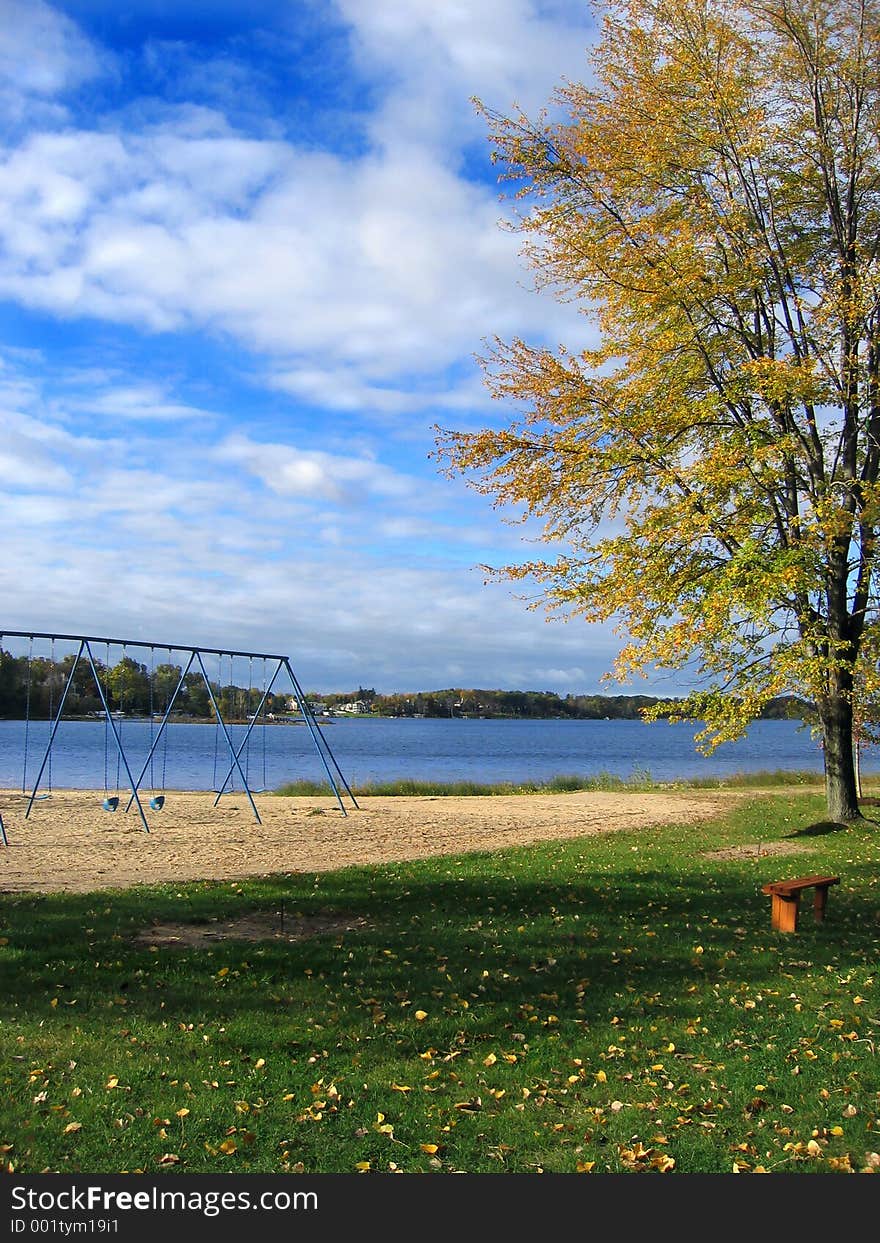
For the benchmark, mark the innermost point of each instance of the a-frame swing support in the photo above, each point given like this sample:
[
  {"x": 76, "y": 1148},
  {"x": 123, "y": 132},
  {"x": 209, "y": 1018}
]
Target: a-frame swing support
[{"x": 195, "y": 655}]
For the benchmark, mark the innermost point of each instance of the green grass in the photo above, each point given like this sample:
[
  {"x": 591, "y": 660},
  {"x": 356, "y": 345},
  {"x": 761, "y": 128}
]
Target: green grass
[
  {"x": 612, "y": 1004},
  {"x": 640, "y": 779}
]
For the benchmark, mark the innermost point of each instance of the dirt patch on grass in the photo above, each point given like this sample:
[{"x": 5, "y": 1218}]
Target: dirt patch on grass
[
  {"x": 256, "y": 926},
  {"x": 757, "y": 850}
]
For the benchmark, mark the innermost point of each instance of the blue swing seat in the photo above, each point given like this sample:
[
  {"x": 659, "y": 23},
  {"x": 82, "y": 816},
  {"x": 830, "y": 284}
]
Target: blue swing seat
[
  {"x": 157, "y": 802},
  {"x": 111, "y": 803}
]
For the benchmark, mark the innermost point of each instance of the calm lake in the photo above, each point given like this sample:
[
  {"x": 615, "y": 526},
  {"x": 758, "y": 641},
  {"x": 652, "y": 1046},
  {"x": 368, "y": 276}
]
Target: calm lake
[{"x": 385, "y": 749}]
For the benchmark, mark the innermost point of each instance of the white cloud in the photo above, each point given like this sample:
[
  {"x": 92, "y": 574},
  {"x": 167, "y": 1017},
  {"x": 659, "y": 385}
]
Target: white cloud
[
  {"x": 355, "y": 273},
  {"x": 42, "y": 52},
  {"x": 437, "y": 56},
  {"x": 314, "y": 474},
  {"x": 140, "y": 402}
]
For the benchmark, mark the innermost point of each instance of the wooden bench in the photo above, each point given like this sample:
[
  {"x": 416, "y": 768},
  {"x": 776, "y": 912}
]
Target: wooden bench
[{"x": 786, "y": 895}]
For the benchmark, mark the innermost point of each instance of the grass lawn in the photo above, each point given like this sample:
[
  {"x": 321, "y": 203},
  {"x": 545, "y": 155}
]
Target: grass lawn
[{"x": 615, "y": 1004}]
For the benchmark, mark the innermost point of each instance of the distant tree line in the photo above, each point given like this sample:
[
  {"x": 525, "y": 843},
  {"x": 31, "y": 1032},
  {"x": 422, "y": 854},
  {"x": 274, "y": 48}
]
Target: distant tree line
[
  {"x": 457, "y": 702},
  {"x": 34, "y": 686}
]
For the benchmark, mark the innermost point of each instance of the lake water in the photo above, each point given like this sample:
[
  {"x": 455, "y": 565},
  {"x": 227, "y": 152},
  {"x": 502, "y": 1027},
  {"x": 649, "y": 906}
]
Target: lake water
[{"x": 386, "y": 749}]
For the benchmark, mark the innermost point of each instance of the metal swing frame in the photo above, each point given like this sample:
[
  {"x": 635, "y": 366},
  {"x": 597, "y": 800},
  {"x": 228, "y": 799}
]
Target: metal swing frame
[{"x": 195, "y": 656}]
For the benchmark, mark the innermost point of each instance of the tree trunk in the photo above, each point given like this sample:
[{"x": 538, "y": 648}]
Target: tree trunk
[{"x": 840, "y": 777}]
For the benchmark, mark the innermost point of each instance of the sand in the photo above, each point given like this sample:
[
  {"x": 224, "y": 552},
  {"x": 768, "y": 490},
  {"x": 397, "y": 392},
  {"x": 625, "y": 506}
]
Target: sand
[{"x": 68, "y": 843}]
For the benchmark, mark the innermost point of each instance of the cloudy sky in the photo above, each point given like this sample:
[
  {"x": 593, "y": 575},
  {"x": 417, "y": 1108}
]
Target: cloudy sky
[{"x": 247, "y": 255}]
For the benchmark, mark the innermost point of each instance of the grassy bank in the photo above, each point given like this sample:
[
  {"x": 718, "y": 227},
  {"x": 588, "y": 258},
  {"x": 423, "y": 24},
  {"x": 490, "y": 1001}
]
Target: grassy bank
[
  {"x": 614, "y": 1004},
  {"x": 640, "y": 780}
]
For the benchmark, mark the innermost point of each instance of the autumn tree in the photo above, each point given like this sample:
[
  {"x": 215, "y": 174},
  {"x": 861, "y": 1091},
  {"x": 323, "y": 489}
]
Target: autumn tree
[{"x": 708, "y": 473}]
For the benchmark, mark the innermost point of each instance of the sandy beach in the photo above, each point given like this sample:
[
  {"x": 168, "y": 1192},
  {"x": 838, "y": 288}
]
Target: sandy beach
[{"x": 69, "y": 843}]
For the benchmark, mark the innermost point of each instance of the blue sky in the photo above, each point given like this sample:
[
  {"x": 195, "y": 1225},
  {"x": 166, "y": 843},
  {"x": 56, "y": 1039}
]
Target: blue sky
[{"x": 247, "y": 255}]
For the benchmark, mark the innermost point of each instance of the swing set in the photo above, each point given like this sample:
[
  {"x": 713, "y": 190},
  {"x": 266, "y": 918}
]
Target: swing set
[{"x": 113, "y": 725}]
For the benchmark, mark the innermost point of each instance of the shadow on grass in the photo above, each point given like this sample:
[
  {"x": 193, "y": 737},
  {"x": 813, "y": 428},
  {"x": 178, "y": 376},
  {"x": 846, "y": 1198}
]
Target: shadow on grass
[
  {"x": 512, "y": 946},
  {"x": 820, "y": 829}
]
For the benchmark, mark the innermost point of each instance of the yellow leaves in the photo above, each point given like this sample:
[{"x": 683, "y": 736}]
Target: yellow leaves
[
  {"x": 182, "y": 1113},
  {"x": 362, "y": 1166},
  {"x": 72, "y": 1128},
  {"x": 742, "y": 1167},
  {"x": 640, "y": 1157},
  {"x": 781, "y": 380},
  {"x": 224, "y": 971},
  {"x": 111, "y": 1083},
  {"x": 421, "y": 1015},
  {"x": 400, "y": 1087},
  {"x": 600, "y": 1076},
  {"x": 474, "y": 1105},
  {"x": 585, "y": 1167},
  {"x": 259, "y": 1063},
  {"x": 383, "y": 1127},
  {"x": 490, "y": 1060},
  {"x": 228, "y": 1146}
]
